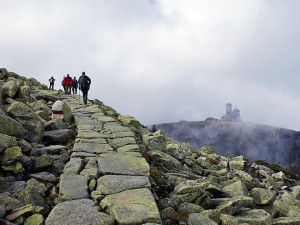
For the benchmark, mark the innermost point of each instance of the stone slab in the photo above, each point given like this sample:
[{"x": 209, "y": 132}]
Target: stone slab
[
  {"x": 72, "y": 187},
  {"x": 112, "y": 184},
  {"x": 122, "y": 164},
  {"x": 78, "y": 212},
  {"x": 132, "y": 207}
]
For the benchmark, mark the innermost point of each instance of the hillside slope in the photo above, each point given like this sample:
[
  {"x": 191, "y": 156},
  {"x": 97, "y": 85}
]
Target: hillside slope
[{"x": 253, "y": 141}]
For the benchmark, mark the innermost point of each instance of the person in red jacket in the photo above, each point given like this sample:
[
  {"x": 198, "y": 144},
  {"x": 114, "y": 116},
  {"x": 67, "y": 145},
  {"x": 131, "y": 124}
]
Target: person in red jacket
[{"x": 68, "y": 84}]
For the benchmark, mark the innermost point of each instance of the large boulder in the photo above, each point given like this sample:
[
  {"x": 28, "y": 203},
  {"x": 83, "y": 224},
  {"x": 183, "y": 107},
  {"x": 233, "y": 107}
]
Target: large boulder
[
  {"x": 255, "y": 217},
  {"x": 7, "y": 142},
  {"x": 55, "y": 124},
  {"x": 55, "y": 137},
  {"x": 10, "y": 126},
  {"x": 10, "y": 88},
  {"x": 81, "y": 211},
  {"x": 263, "y": 196},
  {"x": 200, "y": 218},
  {"x": 33, "y": 124},
  {"x": 24, "y": 93},
  {"x": 132, "y": 207},
  {"x": 61, "y": 110}
]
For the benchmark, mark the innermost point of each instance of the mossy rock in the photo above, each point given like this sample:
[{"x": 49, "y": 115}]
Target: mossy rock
[
  {"x": 205, "y": 150},
  {"x": 7, "y": 141},
  {"x": 236, "y": 189},
  {"x": 255, "y": 217},
  {"x": 16, "y": 168},
  {"x": 36, "y": 219},
  {"x": 43, "y": 161},
  {"x": 11, "y": 127},
  {"x": 128, "y": 120},
  {"x": 24, "y": 93},
  {"x": 11, "y": 155},
  {"x": 199, "y": 218},
  {"x": 263, "y": 196},
  {"x": 8, "y": 203},
  {"x": 10, "y": 88}
]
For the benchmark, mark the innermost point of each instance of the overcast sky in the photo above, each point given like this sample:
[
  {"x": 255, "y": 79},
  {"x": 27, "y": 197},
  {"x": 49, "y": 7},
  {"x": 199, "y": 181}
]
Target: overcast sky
[{"x": 164, "y": 60}]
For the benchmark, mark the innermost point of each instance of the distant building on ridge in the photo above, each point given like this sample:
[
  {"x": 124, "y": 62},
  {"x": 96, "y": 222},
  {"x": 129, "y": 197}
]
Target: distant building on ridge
[{"x": 231, "y": 115}]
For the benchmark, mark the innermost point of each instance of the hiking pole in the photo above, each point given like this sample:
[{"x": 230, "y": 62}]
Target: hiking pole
[{"x": 79, "y": 96}]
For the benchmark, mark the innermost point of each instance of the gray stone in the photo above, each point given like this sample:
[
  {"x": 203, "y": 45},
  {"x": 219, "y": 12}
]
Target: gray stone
[
  {"x": 6, "y": 142},
  {"x": 44, "y": 177},
  {"x": 199, "y": 218},
  {"x": 255, "y": 217},
  {"x": 132, "y": 207},
  {"x": 55, "y": 124},
  {"x": 90, "y": 174},
  {"x": 112, "y": 184},
  {"x": 10, "y": 126},
  {"x": 58, "y": 136},
  {"x": 72, "y": 187},
  {"x": 12, "y": 186},
  {"x": 8, "y": 203},
  {"x": 165, "y": 159},
  {"x": 129, "y": 148},
  {"x": 92, "y": 148},
  {"x": 74, "y": 166},
  {"x": 122, "y": 164},
  {"x": 120, "y": 142},
  {"x": 10, "y": 88},
  {"x": 80, "y": 211}
]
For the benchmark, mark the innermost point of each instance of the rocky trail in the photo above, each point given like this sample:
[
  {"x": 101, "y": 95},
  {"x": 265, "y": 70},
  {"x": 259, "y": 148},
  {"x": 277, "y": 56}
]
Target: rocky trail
[
  {"x": 106, "y": 166},
  {"x": 62, "y": 162}
]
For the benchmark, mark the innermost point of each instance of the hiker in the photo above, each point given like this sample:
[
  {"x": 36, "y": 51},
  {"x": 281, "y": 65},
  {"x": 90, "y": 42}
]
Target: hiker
[
  {"x": 63, "y": 84},
  {"x": 84, "y": 85},
  {"x": 74, "y": 85},
  {"x": 51, "y": 81},
  {"x": 68, "y": 84}
]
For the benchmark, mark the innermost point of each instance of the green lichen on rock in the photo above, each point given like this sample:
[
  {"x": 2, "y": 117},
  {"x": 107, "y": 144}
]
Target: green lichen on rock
[
  {"x": 128, "y": 120},
  {"x": 43, "y": 161},
  {"x": 255, "y": 217},
  {"x": 11, "y": 155},
  {"x": 10, "y": 88},
  {"x": 199, "y": 218},
  {"x": 263, "y": 196},
  {"x": 36, "y": 219},
  {"x": 15, "y": 168},
  {"x": 10, "y": 127},
  {"x": 238, "y": 188}
]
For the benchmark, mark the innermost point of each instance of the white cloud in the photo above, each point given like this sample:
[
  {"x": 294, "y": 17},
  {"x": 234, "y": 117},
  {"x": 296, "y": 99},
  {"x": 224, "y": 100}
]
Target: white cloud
[{"x": 164, "y": 60}]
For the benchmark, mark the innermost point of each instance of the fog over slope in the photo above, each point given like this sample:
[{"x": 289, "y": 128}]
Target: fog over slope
[{"x": 253, "y": 141}]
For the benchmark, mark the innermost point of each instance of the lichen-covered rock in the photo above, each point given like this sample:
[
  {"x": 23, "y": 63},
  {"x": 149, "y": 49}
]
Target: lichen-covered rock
[
  {"x": 36, "y": 219},
  {"x": 296, "y": 192},
  {"x": 11, "y": 155},
  {"x": 30, "y": 121},
  {"x": 128, "y": 120},
  {"x": 255, "y": 217},
  {"x": 199, "y": 218},
  {"x": 81, "y": 211},
  {"x": 74, "y": 166},
  {"x": 7, "y": 142},
  {"x": 236, "y": 189},
  {"x": 43, "y": 161},
  {"x": 188, "y": 208},
  {"x": 112, "y": 184},
  {"x": 228, "y": 220},
  {"x": 8, "y": 203},
  {"x": 263, "y": 196},
  {"x": 10, "y": 127},
  {"x": 234, "y": 205},
  {"x": 24, "y": 93},
  {"x": 57, "y": 137},
  {"x": 15, "y": 168},
  {"x": 132, "y": 207},
  {"x": 10, "y": 88},
  {"x": 286, "y": 221},
  {"x": 61, "y": 107},
  {"x": 55, "y": 124},
  {"x": 31, "y": 195},
  {"x": 44, "y": 177},
  {"x": 155, "y": 141},
  {"x": 23, "y": 211},
  {"x": 72, "y": 187},
  {"x": 165, "y": 159}
]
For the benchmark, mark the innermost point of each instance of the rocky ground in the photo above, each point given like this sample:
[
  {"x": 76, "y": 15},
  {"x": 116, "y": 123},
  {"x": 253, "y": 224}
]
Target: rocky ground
[{"x": 90, "y": 165}]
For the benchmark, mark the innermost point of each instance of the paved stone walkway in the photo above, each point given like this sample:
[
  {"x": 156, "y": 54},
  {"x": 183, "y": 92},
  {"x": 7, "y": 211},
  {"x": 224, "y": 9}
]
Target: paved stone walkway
[{"x": 106, "y": 180}]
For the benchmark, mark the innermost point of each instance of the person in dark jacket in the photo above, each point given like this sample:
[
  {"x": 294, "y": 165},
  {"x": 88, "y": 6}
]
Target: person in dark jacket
[
  {"x": 84, "y": 85},
  {"x": 74, "y": 85},
  {"x": 68, "y": 84},
  {"x": 51, "y": 81}
]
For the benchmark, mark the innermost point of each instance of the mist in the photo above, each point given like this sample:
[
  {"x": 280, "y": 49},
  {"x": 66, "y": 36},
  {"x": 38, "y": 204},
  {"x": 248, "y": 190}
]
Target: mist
[{"x": 164, "y": 61}]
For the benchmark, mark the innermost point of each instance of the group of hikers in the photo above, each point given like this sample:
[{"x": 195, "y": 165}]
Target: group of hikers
[{"x": 71, "y": 85}]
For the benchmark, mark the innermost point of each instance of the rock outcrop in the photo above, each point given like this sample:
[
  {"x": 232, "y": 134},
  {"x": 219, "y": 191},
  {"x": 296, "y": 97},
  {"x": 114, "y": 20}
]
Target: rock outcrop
[{"x": 92, "y": 165}]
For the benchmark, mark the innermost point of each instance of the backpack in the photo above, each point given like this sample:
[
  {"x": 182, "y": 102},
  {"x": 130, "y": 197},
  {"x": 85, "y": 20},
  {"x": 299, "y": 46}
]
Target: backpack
[
  {"x": 75, "y": 82},
  {"x": 84, "y": 83}
]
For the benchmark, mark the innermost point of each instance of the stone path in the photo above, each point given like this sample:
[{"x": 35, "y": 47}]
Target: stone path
[{"x": 106, "y": 180}]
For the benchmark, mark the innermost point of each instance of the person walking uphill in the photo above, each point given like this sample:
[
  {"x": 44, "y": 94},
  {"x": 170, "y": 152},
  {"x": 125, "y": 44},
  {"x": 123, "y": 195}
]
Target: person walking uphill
[
  {"x": 74, "y": 85},
  {"x": 84, "y": 85},
  {"x": 68, "y": 84},
  {"x": 51, "y": 81}
]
